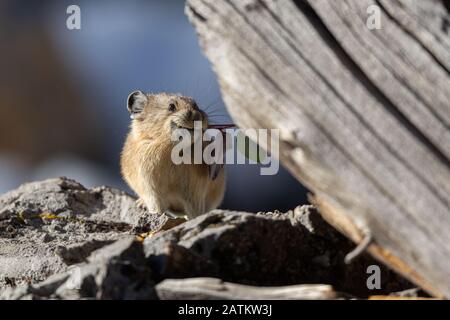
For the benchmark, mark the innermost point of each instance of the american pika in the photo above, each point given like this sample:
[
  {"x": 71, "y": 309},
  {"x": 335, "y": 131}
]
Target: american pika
[{"x": 163, "y": 187}]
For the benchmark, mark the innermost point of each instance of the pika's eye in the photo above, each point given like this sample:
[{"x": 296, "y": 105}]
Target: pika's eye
[{"x": 172, "y": 107}]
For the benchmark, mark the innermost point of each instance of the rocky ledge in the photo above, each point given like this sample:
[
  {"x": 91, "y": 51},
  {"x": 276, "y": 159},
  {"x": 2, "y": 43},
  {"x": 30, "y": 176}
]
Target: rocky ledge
[{"x": 59, "y": 240}]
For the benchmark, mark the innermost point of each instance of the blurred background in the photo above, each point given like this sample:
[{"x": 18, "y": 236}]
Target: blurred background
[{"x": 63, "y": 92}]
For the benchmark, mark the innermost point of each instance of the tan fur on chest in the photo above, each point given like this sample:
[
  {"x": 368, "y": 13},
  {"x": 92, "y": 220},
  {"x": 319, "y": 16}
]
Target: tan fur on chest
[{"x": 146, "y": 164}]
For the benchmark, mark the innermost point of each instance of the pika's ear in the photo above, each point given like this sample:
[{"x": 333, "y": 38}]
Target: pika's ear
[{"x": 136, "y": 102}]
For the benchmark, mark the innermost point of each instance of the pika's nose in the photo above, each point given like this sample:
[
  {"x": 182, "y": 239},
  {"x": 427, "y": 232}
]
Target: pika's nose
[{"x": 194, "y": 115}]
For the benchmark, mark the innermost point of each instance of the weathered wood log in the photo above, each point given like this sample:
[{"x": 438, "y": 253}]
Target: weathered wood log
[
  {"x": 364, "y": 115},
  {"x": 216, "y": 289}
]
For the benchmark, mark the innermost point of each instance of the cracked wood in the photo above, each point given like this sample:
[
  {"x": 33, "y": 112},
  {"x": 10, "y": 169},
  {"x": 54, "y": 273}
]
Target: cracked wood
[{"x": 364, "y": 115}]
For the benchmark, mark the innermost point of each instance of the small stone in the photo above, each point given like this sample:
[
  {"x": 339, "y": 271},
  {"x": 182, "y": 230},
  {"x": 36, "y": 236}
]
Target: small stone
[{"x": 46, "y": 238}]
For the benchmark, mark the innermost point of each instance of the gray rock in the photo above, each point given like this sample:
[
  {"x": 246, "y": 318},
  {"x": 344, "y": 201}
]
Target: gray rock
[
  {"x": 78, "y": 253},
  {"x": 270, "y": 249},
  {"x": 117, "y": 271},
  {"x": 47, "y": 226},
  {"x": 59, "y": 240}
]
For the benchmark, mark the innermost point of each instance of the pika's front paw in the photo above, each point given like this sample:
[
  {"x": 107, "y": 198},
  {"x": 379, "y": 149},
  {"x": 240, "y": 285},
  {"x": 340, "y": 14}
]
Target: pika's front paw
[
  {"x": 176, "y": 215},
  {"x": 141, "y": 204}
]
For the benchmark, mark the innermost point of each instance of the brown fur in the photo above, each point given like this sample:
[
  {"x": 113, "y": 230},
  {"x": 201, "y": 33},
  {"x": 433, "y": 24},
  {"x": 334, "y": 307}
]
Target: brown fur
[{"x": 146, "y": 164}]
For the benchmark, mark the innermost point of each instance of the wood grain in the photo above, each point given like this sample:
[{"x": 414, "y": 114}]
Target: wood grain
[
  {"x": 216, "y": 289},
  {"x": 364, "y": 115}
]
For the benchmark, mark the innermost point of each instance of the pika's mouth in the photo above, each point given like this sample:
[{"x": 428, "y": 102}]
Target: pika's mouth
[{"x": 175, "y": 125}]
